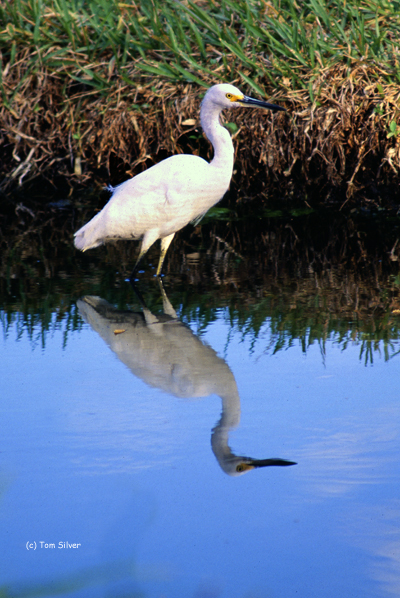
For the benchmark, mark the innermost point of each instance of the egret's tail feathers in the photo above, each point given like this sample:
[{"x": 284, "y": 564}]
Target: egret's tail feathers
[{"x": 88, "y": 237}]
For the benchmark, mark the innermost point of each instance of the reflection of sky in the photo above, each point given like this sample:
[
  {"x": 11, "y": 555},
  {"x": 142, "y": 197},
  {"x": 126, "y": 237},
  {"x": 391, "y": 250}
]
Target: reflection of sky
[
  {"x": 376, "y": 529},
  {"x": 348, "y": 418},
  {"x": 91, "y": 454}
]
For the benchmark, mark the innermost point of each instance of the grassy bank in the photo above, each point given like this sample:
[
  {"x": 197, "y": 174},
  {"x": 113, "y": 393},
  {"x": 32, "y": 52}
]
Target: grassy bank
[{"x": 93, "y": 90}]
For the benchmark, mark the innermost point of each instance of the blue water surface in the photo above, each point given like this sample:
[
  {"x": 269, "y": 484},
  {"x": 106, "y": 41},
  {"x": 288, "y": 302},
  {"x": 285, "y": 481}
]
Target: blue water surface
[{"x": 131, "y": 467}]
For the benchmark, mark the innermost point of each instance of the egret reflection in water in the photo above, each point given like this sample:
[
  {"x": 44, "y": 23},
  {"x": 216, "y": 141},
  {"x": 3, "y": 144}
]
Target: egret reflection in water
[{"x": 165, "y": 354}]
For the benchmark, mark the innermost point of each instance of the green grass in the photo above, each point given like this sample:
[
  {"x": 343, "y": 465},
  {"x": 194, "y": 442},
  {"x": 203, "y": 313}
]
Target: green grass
[
  {"x": 280, "y": 42},
  {"x": 75, "y": 75}
]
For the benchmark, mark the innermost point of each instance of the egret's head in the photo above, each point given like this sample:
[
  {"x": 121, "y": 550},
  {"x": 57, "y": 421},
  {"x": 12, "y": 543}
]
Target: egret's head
[
  {"x": 236, "y": 466},
  {"x": 229, "y": 96}
]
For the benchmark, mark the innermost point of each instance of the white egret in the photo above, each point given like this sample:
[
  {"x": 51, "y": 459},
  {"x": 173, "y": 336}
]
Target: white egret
[{"x": 158, "y": 202}]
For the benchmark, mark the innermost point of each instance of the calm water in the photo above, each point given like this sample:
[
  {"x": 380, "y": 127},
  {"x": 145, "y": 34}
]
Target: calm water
[{"x": 125, "y": 429}]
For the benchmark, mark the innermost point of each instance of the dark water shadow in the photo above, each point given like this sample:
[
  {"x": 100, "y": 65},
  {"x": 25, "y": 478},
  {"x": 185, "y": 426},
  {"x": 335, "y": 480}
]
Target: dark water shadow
[{"x": 312, "y": 276}]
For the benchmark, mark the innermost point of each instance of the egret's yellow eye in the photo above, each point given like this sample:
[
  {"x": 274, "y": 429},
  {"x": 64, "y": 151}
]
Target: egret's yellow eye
[{"x": 229, "y": 96}]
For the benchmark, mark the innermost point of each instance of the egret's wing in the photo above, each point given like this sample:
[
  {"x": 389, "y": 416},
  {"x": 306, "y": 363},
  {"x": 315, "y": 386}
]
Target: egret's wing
[
  {"x": 163, "y": 199},
  {"x": 135, "y": 205}
]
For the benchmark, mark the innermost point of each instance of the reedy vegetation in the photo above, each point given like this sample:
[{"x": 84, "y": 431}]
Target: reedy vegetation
[
  {"x": 276, "y": 312},
  {"x": 275, "y": 287},
  {"x": 110, "y": 83}
]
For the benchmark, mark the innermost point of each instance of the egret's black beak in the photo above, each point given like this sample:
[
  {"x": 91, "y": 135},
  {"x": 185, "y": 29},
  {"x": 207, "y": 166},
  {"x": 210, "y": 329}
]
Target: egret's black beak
[
  {"x": 248, "y": 464},
  {"x": 259, "y": 103},
  {"x": 269, "y": 462}
]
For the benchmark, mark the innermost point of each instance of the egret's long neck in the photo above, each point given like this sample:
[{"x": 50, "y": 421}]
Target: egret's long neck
[
  {"x": 218, "y": 135},
  {"x": 230, "y": 418}
]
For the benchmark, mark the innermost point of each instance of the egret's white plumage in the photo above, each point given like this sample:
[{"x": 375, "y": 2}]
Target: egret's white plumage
[{"x": 158, "y": 202}]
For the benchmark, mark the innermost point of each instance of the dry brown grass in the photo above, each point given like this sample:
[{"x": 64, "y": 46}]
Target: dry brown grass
[{"x": 341, "y": 140}]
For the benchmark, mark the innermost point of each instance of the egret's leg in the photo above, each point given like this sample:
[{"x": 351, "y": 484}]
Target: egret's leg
[
  {"x": 147, "y": 242},
  {"x": 165, "y": 243},
  {"x": 137, "y": 293},
  {"x": 167, "y": 306},
  {"x": 133, "y": 273}
]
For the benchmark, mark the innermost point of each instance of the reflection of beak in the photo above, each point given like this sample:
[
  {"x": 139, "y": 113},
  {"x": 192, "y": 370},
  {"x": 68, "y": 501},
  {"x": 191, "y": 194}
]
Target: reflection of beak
[
  {"x": 252, "y": 463},
  {"x": 260, "y": 103}
]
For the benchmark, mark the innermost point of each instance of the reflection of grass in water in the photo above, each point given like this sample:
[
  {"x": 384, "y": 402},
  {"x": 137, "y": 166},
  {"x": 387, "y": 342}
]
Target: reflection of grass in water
[
  {"x": 277, "y": 320},
  {"x": 277, "y": 328},
  {"x": 310, "y": 282},
  {"x": 38, "y": 325},
  {"x": 377, "y": 336}
]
